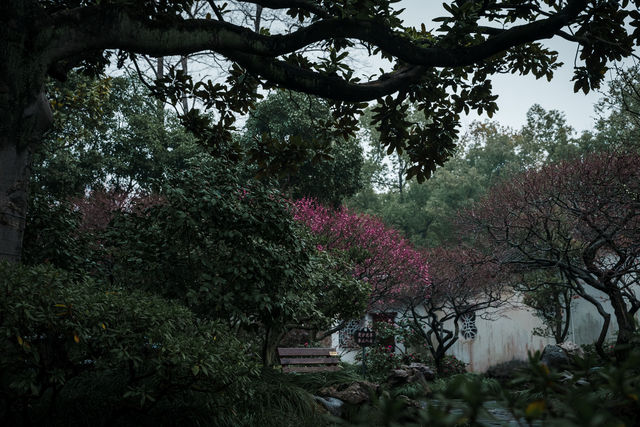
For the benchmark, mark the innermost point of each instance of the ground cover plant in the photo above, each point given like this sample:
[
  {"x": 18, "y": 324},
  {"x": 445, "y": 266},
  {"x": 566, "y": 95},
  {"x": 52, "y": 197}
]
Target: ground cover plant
[
  {"x": 79, "y": 352},
  {"x": 590, "y": 392}
]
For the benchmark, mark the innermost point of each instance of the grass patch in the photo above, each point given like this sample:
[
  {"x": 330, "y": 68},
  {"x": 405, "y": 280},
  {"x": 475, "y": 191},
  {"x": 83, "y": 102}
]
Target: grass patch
[
  {"x": 314, "y": 381},
  {"x": 276, "y": 399},
  {"x": 488, "y": 385}
]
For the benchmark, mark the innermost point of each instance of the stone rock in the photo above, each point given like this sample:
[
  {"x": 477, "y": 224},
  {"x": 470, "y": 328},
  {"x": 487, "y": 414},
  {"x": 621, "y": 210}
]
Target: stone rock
[
  {"x": 398, "y": 377},
  {"x": 427, "y": 372},
  {"x": 356, "y": 393},
  {"x": 413, "y": 373},
  {"x": 331, "y": 404},
  {"x": 409, "y": 402},
  {"x": 506, "y": 371},
  {"x": 572, "y": 349},
  {"x": 554, "y": 356}
]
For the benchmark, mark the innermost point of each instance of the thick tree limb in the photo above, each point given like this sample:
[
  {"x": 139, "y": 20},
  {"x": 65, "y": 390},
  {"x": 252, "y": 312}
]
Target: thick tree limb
[
  {"x": 115, "y": 29},
  {"x": 94, "y": 28}
]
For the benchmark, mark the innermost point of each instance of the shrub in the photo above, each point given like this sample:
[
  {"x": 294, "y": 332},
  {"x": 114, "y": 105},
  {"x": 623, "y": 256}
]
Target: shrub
[
  {"x": 452, "y": 366},
  {"x": 229, "y": 249},
  {"x": 74, "y": 351},
  {"x": 380, "y": 360},
  {"x": 506, "y": 371}
]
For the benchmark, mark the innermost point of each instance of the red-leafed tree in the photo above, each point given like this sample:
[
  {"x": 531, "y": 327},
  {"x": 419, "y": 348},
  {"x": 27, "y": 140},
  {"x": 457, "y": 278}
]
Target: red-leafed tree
[
  {"x": 581, "y": 218},
  {"x": 67, "y": 233},
  {"x": 465, "y": 284},
  {"x": 380, "y": 255},
  {"x": 100, "y": 206}
]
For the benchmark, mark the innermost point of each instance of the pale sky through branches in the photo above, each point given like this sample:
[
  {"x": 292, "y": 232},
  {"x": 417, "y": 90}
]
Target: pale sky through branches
[{"x": 518, "y": 93}]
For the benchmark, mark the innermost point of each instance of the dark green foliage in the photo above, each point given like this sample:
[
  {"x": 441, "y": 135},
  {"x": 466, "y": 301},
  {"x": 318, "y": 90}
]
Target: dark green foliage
[
  {"x": 176, "y": 223},
  {"x": 384, "y": 356},
  {"x": 77, "y": 352},
  {"x": 53, "y": 236},
  {"x": 451, "y": 365},
  {"x": 225, "y": 247},
  {"x": 618, "y": 112},
  {"x": 231, "y": 250},
  {"x": 588, "y": 394},
  {"x": 285, "y": 400},
  {"x": 290, "y": 136},
  {"x": 314, "y": 381},
  {"x": 108, "y": 133},
  {"x": 487, "y": 154}
]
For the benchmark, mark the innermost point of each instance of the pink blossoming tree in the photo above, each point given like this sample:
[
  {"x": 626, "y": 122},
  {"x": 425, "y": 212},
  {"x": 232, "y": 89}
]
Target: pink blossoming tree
[{"x": 379, "y": 254}]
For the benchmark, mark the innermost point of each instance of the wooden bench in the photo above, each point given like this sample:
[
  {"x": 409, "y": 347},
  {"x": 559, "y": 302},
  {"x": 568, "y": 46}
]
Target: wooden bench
[{"x": 308, "y": 359}]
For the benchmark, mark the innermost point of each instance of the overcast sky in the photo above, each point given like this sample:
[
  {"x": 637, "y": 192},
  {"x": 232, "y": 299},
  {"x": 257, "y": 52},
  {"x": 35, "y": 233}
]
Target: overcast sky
[{"x": 518, "y": 93}]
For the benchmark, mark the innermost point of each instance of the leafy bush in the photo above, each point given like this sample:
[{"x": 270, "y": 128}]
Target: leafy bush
[
  {"x": 589, "y": 395},
  {"x": 75, "y": 346},
  {"x": 230, "y": 249},
  {"x": 451, "y": 365},
  {"x": 380, "y": 360},
  {"x": 506, "y": 371},
  {"x": 52, "y": 236},
  {"x": 277, "y": 399},
  {"x": 590, "y": 350},
  {"x": 314, "y": 381}
]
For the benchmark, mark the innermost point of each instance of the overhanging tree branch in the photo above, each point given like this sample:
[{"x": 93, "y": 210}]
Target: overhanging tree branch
[{"x": 114, "y": 28}]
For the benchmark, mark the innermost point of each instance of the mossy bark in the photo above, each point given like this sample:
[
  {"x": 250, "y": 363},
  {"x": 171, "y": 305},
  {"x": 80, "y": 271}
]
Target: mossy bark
[{"x": 25, "y": 115}]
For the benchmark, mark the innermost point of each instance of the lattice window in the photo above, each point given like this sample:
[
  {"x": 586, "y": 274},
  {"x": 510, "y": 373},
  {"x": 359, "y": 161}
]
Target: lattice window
[
  {"x": 346, "y": 334},
  {"x": 468, "y": 328}
]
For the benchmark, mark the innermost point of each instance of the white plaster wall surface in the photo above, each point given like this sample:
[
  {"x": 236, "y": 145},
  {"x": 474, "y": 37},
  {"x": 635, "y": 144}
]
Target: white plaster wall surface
[
  {"x": 505, "y": 337},
  {"x": 508, "y": 334},
  {"x": 587, "y": 322}
]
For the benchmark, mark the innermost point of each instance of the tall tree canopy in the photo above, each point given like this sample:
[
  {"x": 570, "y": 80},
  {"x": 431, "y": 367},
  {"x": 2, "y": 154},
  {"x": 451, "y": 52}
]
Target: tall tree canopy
[
  {"x": 293, "y": 126},
  {"x": 444, "y": 68},
  {"x": 487, "y": 154}
]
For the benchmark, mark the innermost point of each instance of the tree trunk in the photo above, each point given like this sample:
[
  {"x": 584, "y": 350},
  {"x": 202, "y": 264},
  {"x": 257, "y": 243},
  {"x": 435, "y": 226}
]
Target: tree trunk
[
  {"x": 16, "y": 143},
  {"x": 14, "y": 183},
  {"x": 599, "y": 344},
  {"x": 567, "y": 319},
  {"x": 272, "y": 338},
  {"x": 626, "y": 325},
  {"x": 25, "y": 115},
  {"x": 438, "y": 359}
]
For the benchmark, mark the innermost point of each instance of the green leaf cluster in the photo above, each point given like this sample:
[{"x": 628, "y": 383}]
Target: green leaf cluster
[
  {"x": 74, "y": 350},
  {"x": 292, "y": 137}
]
